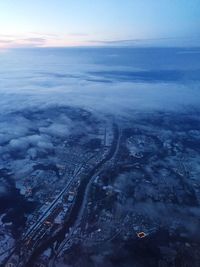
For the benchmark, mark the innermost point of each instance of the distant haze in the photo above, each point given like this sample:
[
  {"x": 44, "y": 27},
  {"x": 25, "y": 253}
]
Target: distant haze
[{"x": 109, "y": 80}]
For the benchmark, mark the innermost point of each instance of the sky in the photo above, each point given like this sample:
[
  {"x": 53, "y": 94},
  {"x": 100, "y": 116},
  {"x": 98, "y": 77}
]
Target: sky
[{"x": 44, "y": 23}]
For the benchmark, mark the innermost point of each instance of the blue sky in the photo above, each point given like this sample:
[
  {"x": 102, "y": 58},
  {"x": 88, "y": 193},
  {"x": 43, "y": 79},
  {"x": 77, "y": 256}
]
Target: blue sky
[{"x": 99, "y": 22}]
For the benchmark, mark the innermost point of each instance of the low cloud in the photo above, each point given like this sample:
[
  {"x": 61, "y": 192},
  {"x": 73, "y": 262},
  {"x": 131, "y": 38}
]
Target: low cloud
[
  {"x": 162, "y": 41},
  {"x": 118, "y": 41},
  {"x": 32, "y": 98},
  {"x": 17, "y": 42}
]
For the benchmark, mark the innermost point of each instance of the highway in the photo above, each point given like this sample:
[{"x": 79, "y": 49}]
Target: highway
[{"x": 41, "y": 220}]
